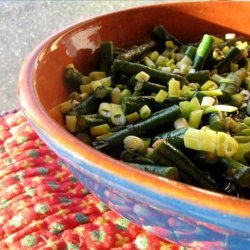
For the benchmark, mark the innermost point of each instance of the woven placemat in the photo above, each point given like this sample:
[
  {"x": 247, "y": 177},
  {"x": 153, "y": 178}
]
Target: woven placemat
[{"x": 42, "y": 206}]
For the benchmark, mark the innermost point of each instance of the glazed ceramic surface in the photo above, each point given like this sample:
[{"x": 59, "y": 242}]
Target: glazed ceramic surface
[{"x": 172, "y": 210}]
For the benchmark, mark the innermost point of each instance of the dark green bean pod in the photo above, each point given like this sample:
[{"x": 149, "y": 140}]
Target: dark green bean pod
[
  {"x": 202, "y": 52},
  {"x": 168, "y": 172},
  {"x": 200, "y": 76},
  {"x": 135, "y": 157},
  {"x": 87, "y": 121},
  {"x": 149, "y": 87},
  {"x": 129, "y": 68},
  {"x": 89, "y": 106},
  {"x": 182, "y": 162},
  {"x": 161, "y": 34},
  {"x": 106, "y": 56},
  {"x": 118, "y": 51},
  {"x": 138, "y": 52},
  {"x": 216, "y": 122},
  {"x": 103, "y": 92},
  {"x": 174, "y": 137},
  {"x": 74, "y": 77},
  {"x": 232, "y": 56},
  {"x": 239, "y": 172},
  {"x": 161, "y": 118},
  {"x": 134, "y": 103},
  {"x": 237, "y": 78},
  {"x": 190, "y": 52}
]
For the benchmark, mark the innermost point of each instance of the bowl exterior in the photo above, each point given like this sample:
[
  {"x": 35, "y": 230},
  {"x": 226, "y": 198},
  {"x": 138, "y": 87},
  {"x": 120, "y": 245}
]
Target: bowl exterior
[
  {"x": 174, "y": 211},
  {"x": 172, "y": 219}
]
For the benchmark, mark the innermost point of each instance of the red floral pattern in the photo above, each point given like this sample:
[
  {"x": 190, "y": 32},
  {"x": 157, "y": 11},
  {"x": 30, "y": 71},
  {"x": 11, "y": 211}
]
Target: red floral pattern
[{"x": 42, "y": 206}]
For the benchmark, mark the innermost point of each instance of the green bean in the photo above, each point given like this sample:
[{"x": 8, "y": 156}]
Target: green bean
[
  {"x": 161, "y": 34},
  {"x": 134, "y": 103},
  {"x": 200, "y": 76},
  {"x": 191, "y": 97},
  {"x": 186, "y": 165},
  {"x": 135, "y": 157},
  {"x": 240, "y": 172},
  {"x": 128, "y": 68},
  {"x": 224, "y": 65},
  {"x": 89, "y": 106},
  {"x": 138, "y": 52},
  {"x": 237, "y": 79},
  {"x": 202, "y": 51},
  {"x": 74, "y": 77},
  {"x": 190, "y": 52},
  {"x": 164, "y": 117},
  {"x": 216, "y": 122},
  {"x": 169, "y": 172},
  {"x": 106, "y": 56}
]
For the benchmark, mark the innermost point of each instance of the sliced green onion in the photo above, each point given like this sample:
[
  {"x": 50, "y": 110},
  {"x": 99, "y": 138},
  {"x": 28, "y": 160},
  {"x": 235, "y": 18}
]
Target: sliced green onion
[
  {"x": 234, "y": 66},
  {"x": 133, "y": 117},
  {"x": 209, "y": 85},
  {"x": 237, "y": 99},
  {"x": 117, "y": 115},
  {"x": 207, "y": 101},
  {"x": 185, "y": 109},
  {"x": 216, "y": 92},
  {"x": 180, "y": 123},
  {"x": 174, "y": 88},
  {"x": 83, "y": 97},
  {"x": 86, "y": 88},
  {"x": 154, "y": 55},
  {"x": 100, "y": 130},
  {"x": 161, "y": 61},
  {"x": 145, "y": 112},
  {"x": 95, "y": 84},
  {"x": 216, "y": 108},
  {"x": 105, "y": 109},
  {"x": 116, "y": 96},
  {"x": 161, "y": 96},
  {"x": 194, "y": 104},
  {"x": 142, "y": 77},
  {"x": 247, "y": 121},
  {"x": 66, "y": 106},
  {"x": 195, "y": 118},
  {"x": 217, "y": 78},
  {"x": 71, "y": 122},
  {"x": 232, "y": 125},
  {"x": 210, "y": 141},
  {"x": 106, "y": 81},
  {"x": 134, "y": 143},
  {"x": 126, "y": 93},
  {"x": 186, "y": 91},
  {"x": 169, "y": 44},
  {"x": 166, "y": 69},
  {"x": 148, "y": 62},
  {"x": 230, "y": 36},
  {"x": 225, "y": 50},
  {"x": 97, "y": 75},
  {"x": 170, "y": 63},
  {"x": 216, "y": 41}
]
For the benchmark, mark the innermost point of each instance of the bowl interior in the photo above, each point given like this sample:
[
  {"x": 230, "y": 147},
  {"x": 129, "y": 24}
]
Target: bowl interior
[{"x": 79, "y": 44}]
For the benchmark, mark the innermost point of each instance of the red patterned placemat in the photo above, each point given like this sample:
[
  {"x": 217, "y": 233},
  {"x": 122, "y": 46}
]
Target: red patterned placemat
[{"x": 42, "y": 206}]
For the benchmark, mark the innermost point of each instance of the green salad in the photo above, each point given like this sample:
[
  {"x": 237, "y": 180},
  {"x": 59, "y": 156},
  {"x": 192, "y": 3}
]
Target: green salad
[{"x": 179, "y": 111}]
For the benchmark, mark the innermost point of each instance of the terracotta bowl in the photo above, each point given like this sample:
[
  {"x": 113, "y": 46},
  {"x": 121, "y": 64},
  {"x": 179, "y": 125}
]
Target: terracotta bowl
[{"x": 180, "y": 213}]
